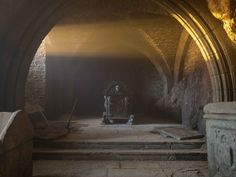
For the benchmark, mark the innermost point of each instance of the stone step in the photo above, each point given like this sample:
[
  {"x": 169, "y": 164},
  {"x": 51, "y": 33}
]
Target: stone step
[
  {"x": 140, "y": 155},
  {"x": 165, "y": 145}
]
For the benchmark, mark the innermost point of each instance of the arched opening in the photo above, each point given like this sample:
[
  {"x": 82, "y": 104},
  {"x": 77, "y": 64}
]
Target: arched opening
[
  {"x": 217, "y": 61},
  {"x": 212, "y": 52},
  {"x": 199, "y": 72},
  {"x": 214, "y": 55},
  {"x": 81, "y": 60}
]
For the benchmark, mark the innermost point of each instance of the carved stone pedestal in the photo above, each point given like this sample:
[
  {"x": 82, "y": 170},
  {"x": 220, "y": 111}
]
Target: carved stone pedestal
[{"x": 221, "y": 138}]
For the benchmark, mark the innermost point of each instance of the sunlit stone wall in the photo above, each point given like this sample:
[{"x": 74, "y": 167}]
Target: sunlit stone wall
[
  {"x": 36, "y": 80},
  {"x": 225, "y": 10},
  {"x": 186, "y": 99}
]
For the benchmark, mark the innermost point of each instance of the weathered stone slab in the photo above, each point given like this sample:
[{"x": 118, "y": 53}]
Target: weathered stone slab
[
  {"x": 228, "y": 108},
  {"x": 16, "y": 136},
  {"x": 136, "y": 172},
  {"x": 221, "y": 139},
  {"x": 180, "y": 133}
]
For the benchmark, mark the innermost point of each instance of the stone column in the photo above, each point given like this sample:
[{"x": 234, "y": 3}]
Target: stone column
[{"x": 221, "y": 138}]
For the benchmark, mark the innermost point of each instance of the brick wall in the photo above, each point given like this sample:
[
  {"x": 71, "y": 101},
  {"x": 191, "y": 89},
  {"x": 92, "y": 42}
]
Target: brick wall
[
  {"x": 198, "y": 91},
  {"x": 153, "y": 88},
  {"x": 187, "y": 98},
  {"x": 36, "y": 80}
]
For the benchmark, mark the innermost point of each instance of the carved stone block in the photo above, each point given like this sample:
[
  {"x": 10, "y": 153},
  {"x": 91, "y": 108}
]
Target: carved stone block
[{"x": 221, "y": 139}]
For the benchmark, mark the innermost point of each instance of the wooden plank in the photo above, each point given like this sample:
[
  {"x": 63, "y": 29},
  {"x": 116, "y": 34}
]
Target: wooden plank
[
  {"x": 180, "y": 133},
  {"x": 119, "y": 118}
]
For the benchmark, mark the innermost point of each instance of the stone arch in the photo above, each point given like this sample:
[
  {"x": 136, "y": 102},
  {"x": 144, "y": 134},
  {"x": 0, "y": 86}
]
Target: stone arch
[
  {"x": 17, "y": 58},
  {"x": 217, "y": 61},
  {"x": 180, "y": 54}
]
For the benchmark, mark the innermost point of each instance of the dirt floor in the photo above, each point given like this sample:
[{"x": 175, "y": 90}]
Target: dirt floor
[
  {"x": 120, "y": 169},
  {"x": 92, "y": 129}
]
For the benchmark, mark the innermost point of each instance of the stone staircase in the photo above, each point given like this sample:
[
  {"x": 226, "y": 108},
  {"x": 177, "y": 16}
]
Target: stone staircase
[{"x": 170, "y": 150}]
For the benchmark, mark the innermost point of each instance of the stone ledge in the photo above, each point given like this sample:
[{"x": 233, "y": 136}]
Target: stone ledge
[{"x": 223, "y": 108}]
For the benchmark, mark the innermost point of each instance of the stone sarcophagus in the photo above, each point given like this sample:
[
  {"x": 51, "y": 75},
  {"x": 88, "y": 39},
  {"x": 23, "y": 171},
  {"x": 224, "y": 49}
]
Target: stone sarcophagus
[
  {"x": 221, "y": 138},
  {"x": 118, "y": 104},
  {"x": 16, "y": 145}
]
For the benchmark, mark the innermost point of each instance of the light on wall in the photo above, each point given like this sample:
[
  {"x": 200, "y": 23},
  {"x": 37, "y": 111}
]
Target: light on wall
[{"x": 225, "y": 10}]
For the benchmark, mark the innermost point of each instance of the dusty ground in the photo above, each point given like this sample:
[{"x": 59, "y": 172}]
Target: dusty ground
[
  {"x": 91, "y": 130},
  {"x": 119, "y": 169}
]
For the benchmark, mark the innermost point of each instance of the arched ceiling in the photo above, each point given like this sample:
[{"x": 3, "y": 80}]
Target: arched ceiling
[
  {"x": 104, "y": 37},
  {"x": 156, "y": 38}
]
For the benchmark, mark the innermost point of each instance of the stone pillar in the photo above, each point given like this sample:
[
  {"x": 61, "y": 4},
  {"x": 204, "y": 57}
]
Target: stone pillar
[
  {"x": 16, "y": 145},
  {"x": 221, "y": 138}
]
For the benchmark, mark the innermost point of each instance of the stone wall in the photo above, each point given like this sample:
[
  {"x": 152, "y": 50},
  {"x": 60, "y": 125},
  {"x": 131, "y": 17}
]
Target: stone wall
[
  {"x": 187, "y": 98},
  {"x": 36, "y": 80},
  {"x": 198, "y": 91},
  {"x": 152, "y": 88}
]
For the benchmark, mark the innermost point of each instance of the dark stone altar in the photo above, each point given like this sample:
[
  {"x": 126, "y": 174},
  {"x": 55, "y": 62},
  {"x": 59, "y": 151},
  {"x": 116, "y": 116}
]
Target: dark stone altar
[{"x": 117, "y": 104}]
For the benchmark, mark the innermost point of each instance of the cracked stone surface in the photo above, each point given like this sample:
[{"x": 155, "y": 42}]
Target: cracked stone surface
[
  {"x": 120, "y": 169},
  {"x": 94, "y": 131}
]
